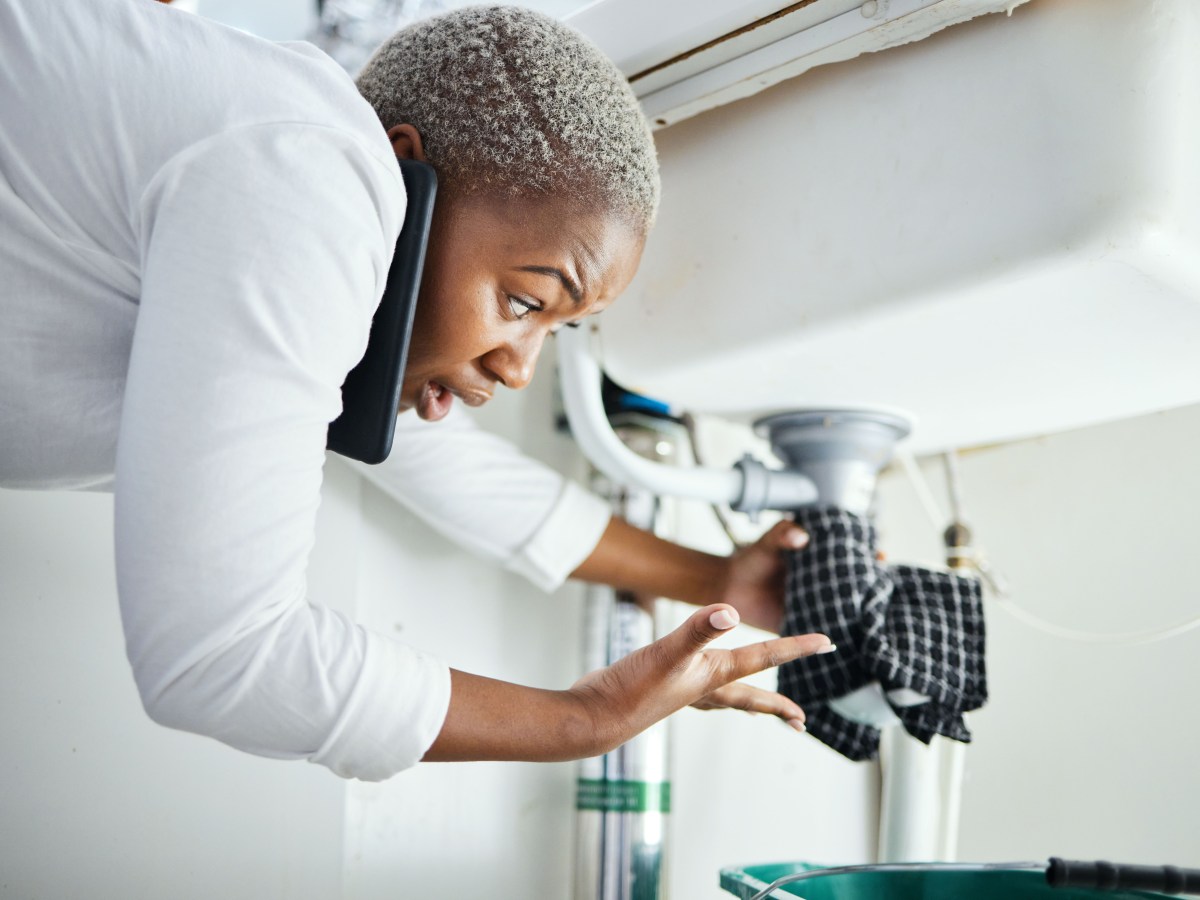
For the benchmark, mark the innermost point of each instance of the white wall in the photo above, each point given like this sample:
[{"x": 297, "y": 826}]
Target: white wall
[
  {"x": 1085, "y": 751},
  {"x": 97, "y": 801}
]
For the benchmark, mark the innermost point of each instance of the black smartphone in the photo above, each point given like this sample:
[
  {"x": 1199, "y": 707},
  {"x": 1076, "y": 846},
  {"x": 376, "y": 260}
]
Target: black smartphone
[{"x": 371, "y": 392}]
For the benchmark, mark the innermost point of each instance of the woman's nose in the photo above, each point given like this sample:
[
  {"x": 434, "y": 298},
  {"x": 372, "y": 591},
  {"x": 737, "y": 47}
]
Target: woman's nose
[{"x": 514, "y": 362}]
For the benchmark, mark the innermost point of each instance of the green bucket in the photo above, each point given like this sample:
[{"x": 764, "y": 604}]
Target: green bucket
[{"x": 922, "y": 882}]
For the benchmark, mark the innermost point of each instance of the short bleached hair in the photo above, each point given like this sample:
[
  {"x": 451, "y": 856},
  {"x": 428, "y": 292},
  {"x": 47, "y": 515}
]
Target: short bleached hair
[{"x": 513, "y": 102}]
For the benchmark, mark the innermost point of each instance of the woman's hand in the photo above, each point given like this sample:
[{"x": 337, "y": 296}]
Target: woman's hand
[
  {"x": 751, "y": 580},
  {"x": 491, "y": 719},
  {"x": 681, "y": 670},
  {"x": 753, "y": 577},
  {"x": 748, "y": 698}
]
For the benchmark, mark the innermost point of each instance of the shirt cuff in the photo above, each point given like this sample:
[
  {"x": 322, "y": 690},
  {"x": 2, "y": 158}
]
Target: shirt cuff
[
  {"x": 393, "y": 716},
  {"x": 564, "y": 540}
]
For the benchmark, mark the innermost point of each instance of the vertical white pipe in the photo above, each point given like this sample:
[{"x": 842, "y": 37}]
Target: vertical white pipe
[
  {"x": 954, "y": 761},
  {"x": 910, "y": 802},
  {"x": 622, "y": 801}
]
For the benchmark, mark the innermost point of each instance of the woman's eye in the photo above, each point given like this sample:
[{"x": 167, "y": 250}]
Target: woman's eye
[{"x": 521, "y": 308}]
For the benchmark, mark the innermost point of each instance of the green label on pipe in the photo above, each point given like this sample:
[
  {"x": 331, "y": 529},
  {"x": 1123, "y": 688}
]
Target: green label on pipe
[{"x": 623, "y": 796}]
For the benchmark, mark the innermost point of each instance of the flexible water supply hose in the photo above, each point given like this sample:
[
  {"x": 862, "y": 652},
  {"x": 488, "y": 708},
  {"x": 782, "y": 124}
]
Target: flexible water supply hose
[{"x": 1000, "y": 593}]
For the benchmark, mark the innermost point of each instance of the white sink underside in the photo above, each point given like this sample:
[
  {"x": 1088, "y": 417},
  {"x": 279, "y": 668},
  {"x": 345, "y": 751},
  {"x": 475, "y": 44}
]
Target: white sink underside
[{"x": 994, "y": 230}]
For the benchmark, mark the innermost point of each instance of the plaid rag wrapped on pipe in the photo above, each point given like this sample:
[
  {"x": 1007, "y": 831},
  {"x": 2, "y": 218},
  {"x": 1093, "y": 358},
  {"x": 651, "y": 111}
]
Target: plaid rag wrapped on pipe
[{"x": 900, "y": 626}]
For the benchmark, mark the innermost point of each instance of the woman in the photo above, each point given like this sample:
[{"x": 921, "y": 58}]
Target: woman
[{"x": 198, "y": 228}]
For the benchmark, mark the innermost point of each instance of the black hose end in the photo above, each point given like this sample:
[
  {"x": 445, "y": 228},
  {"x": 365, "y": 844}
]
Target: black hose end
[
  {"x": 1106, "y": 876},
  {"x": 1056, "y": 872}
]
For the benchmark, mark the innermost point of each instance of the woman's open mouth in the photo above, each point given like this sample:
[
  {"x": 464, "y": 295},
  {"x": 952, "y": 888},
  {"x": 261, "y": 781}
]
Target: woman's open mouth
[{"x": 435, "y": 401}]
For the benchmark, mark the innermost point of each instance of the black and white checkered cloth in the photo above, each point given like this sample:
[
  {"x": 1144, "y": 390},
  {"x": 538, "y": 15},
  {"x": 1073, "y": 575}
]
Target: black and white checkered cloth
[{"x": 902, "y": 626}]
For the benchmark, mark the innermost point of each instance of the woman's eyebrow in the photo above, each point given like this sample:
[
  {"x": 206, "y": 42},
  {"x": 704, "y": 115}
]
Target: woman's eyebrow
[{"x": 571, "y": 285}]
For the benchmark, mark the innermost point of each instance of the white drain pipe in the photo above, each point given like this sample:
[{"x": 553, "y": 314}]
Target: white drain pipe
[{"x": 748, "y": 487}]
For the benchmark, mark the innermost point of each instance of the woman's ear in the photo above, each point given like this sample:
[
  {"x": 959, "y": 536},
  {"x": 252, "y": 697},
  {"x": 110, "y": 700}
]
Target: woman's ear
[{"x": 406, "y": 142}]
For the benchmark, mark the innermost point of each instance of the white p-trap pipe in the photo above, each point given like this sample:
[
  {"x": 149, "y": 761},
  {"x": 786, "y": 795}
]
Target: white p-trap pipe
[{"x": 748, "y": 487}]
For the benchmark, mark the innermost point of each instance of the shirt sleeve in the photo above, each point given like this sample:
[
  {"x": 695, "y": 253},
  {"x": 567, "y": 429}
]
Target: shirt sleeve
[
  {"x": 484, "y": 494},
  {"x": 264, "y": 254}
]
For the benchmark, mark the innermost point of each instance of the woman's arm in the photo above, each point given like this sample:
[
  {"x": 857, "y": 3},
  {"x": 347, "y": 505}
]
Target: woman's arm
[
  {"x": 489, "y": 497},
  {"x": 493, "y": 720},
  {"x": 265, "y": 250},
  {"x": 751, "y": 580},
  {"x": 486, "y": 495}
]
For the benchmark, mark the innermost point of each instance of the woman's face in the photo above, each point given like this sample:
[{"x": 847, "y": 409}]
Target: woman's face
[{"x": 501, "y": 275}]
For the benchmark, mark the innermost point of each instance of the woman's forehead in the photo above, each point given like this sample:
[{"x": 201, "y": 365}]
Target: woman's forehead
[{"x": 596, "y": 244}]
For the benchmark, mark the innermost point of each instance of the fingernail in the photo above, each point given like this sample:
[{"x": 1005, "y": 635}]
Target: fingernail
[
  {"x": 828, "y": 649},
  {"x": 723, "y": 619},
  {"x": 796, "y": 538},
  {"x": 798, "y": 725}
]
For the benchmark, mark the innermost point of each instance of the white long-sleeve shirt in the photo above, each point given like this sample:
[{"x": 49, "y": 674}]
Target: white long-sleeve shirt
[{"x": 196, "y": 229}]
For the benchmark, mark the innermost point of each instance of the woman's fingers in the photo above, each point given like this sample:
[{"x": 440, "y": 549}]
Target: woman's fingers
[
  {"x": 740, "y": 695},
  {"x": 784, "y": 535},
  {"x": 768, "y": 654},
  {"x": 702, "y": 627},
  {"x": 710, "y": 622},
  {"x": 668, "y": 666},
  {"x": 679, "y": 669}
]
